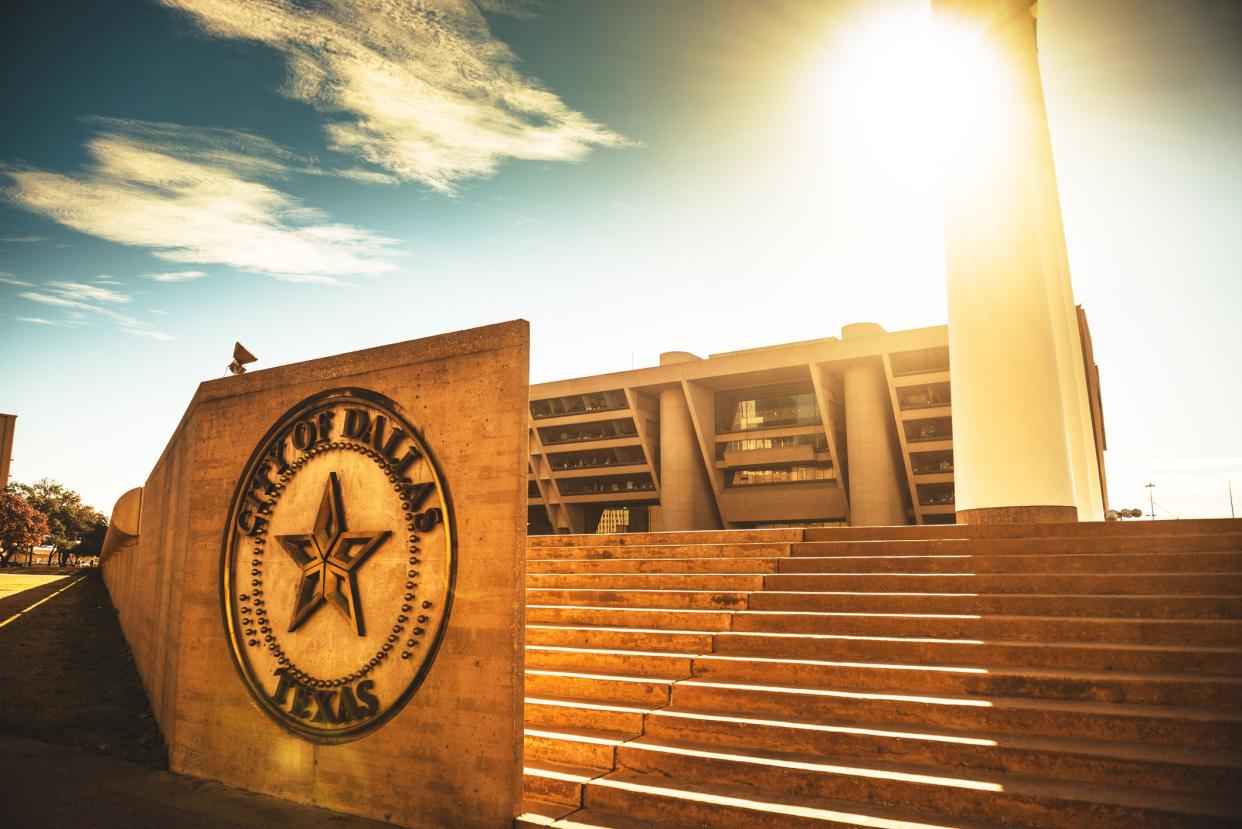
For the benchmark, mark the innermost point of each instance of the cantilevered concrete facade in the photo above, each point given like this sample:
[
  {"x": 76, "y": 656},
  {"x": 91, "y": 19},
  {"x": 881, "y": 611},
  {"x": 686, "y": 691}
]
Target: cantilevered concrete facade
[{"x": 851, "y": 430}]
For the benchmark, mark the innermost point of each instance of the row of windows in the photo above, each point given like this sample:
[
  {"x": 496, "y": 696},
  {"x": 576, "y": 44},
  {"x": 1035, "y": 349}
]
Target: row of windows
[
  {"x": 788, "y": 474},
  {"x": 935, "y": 494},
  {"x": 597, "y": 401},
  {"x": 818, "y": 443},
  {"x": 926, "y": 463},
  {"x": 591, "y": 458},
  {"x": 577, "y": 432},
  {"x": 606, "y": 485},
  {"x": 933, "y": 428},
  {"x": 766, "y": 408},
  {"x": 923, "y": 396}
]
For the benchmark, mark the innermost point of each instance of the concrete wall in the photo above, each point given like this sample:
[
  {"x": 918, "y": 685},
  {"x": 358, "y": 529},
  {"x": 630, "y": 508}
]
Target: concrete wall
[{"x": 453, "y": 755}]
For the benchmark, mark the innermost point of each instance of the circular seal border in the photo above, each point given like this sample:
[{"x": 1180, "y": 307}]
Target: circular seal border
[{"x": 390, "y": 408}]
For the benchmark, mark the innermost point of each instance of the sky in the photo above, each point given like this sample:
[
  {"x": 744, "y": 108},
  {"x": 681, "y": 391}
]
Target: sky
[{"x": 632, "y": 178}]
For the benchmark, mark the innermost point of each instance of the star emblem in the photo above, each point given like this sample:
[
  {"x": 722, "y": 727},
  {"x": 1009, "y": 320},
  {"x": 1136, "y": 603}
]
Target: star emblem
[{"x": 330, "y": 556}]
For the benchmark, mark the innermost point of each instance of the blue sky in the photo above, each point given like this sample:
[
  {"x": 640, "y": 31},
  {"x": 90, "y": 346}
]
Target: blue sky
[{"x": 634, "y": 177}]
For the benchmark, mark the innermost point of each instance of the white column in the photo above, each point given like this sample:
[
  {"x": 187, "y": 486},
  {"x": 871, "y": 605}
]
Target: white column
[{"x": 1012, "y": 453}]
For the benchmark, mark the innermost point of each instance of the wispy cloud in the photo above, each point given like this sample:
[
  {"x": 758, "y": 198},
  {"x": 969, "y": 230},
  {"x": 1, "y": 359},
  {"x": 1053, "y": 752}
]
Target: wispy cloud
[
  {"x": 10, "y": 279},
  {"x": 421, "y": 90},
  {"x": 22, "y": 240},
  {"x": 80, "y": 303},
  {"x": 77, "y": 290},
  {"x": 176, "y": 276},
  {"x": 194, "y": 196}
]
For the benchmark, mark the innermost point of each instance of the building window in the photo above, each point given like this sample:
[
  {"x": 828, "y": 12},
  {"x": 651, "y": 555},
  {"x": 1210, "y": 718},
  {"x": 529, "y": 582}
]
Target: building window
[
  {"x": 819, "y": 443},
  {"x": 608, "y": 485},
  {"x": 923, "y": 396},
  {"x": 617, "y": 456},
  {"x": 930, "y": 463},
  {"x": 596, "y": 401},
  {"x": 532, "y": 490},
  {"x": 577, "y": 432},
  {"x": 931, "y": 495},
  {"x": 766, "y": 408},
  {"x": 921, "y": 361},
  {"x": 784, "y": 474},
  {"x": 932, "y": 428}
]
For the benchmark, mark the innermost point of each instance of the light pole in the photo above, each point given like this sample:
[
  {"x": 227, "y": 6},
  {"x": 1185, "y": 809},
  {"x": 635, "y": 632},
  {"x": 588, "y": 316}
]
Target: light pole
[{"x": 1152, "y": 500}]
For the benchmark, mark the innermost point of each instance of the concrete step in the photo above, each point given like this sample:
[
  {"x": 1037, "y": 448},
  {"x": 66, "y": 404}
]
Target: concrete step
[
  {"x": 724, "y": 582},
  {"x": 590, "y": 748},
  {"x": 1162, "y": 606},
  {"x": 537, "y": 813},
  {"x": 1109, "y": 656},
  {"x": 671, "y": 599},
  {"x": 565, "y": 712},
  {"x": 1103, "y": 543},
  {"x": 609, "y": 661},
  {"x": 1008, "y": 798},
  {"x": 1094, "y": 529},
  {"x": 765, "y": 549},
  {"x": 722, "y": 564},
  {"x": 1145, "y": 562},
  {"x": 660, "y": 803},
  {"x": 1220, "y": 692},
  {"x": 1131, "y": 765},
  {"x": 1163, "y": 725},
  {"x": 727, "y": 537},
  {"x": 963, "y": 582},
  {"x": 642, "y": 639},
  {"x": 548, "y": 782},
  {"x": 660, "y": 618},
  {"x": 967, "y": 626},
  {"x": 636, "y": 690}
]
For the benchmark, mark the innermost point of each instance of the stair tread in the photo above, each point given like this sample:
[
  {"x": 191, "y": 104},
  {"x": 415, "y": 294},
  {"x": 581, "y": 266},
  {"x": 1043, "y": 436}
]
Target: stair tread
[
  {"x": 601, "y": 675},
  {"x": 995, "y": 670},
  {"x": 541, "y": 813},
  {"x": 1112, "y": 749},
  {"x": 1026, "y": 643},
  {"x": 577, "y": 702},
  {"x": 1111, "y": 708},
  {"x": 830, "y": 812},
  {"x": 560, "y": 771},
  {"x": 1195, "y": 804},
  {"x": 599, "y": 736}
]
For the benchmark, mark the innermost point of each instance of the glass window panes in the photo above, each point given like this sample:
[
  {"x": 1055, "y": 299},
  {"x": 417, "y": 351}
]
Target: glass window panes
[
  {"x": 579, "y": 432},
  {"x": 609, "y": 484},
  {"x": 782, "y": 474},
  {"x": 932, "y": 428},
  {"x": 766, "y": 408},
  {"x": 923, "y": 396},
  {"x": 596, "y": 401}
]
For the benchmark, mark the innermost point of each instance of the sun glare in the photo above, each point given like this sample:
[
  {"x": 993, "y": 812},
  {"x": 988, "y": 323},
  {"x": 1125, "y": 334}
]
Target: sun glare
[{"x": 897, "y": 88}]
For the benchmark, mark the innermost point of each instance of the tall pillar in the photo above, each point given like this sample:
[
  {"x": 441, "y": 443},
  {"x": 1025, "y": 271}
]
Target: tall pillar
[
  {"x": 876, "y": 497},
  {"x": 685, "y": 491},
  {"x": 1012, "y": 452}
]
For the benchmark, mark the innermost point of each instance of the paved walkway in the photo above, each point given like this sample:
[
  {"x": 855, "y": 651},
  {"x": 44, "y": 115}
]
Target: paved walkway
[{"x": 48, "y": 787}]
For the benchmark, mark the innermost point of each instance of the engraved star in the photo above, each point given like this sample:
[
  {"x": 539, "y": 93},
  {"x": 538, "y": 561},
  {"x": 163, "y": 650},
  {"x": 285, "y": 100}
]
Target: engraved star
[{"x": 329, "y": 556}]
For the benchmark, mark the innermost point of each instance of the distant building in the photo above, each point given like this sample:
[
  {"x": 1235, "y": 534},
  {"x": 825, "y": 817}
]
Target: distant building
[
  {"x": 7, "y": 424},
  {"x": 856, "y": 430}
]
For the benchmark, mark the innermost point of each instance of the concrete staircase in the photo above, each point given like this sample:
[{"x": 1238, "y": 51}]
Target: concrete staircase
[{"x": 1039, "y": 676}]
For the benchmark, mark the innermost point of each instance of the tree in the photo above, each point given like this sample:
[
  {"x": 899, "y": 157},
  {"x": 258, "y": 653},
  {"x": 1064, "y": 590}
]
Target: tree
[
  {"x": 69, "y": 521},
  {"x": 21, "y": 525}
]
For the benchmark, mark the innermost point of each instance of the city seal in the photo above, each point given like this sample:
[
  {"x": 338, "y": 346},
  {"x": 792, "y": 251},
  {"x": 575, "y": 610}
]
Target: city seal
[{"x": 338, "y": 566}]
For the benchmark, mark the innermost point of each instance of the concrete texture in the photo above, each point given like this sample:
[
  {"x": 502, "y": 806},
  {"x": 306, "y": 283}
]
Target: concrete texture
[
  {"x": 875, "y": 483},
  {"x": 52, "y": 787},
  {"x": 451, "y": 757},
  {"x": 1037, "y": 675}
]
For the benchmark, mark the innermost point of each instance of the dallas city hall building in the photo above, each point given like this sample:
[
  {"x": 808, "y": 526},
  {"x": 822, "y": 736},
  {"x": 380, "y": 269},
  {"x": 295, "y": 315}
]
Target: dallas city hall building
[{"x": 836, "y": 431}]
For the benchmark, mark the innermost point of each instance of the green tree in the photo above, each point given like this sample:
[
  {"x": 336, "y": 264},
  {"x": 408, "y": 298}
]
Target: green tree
[
  {"x": 69, "y": 521},
  {"x": 21, "y": 525}
]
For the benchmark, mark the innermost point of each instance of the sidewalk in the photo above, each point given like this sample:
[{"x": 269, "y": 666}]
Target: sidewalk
[{"x": 48, "y": 787}]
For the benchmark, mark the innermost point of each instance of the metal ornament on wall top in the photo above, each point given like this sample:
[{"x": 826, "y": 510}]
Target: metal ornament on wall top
[{"x": 338, "y": 566}]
